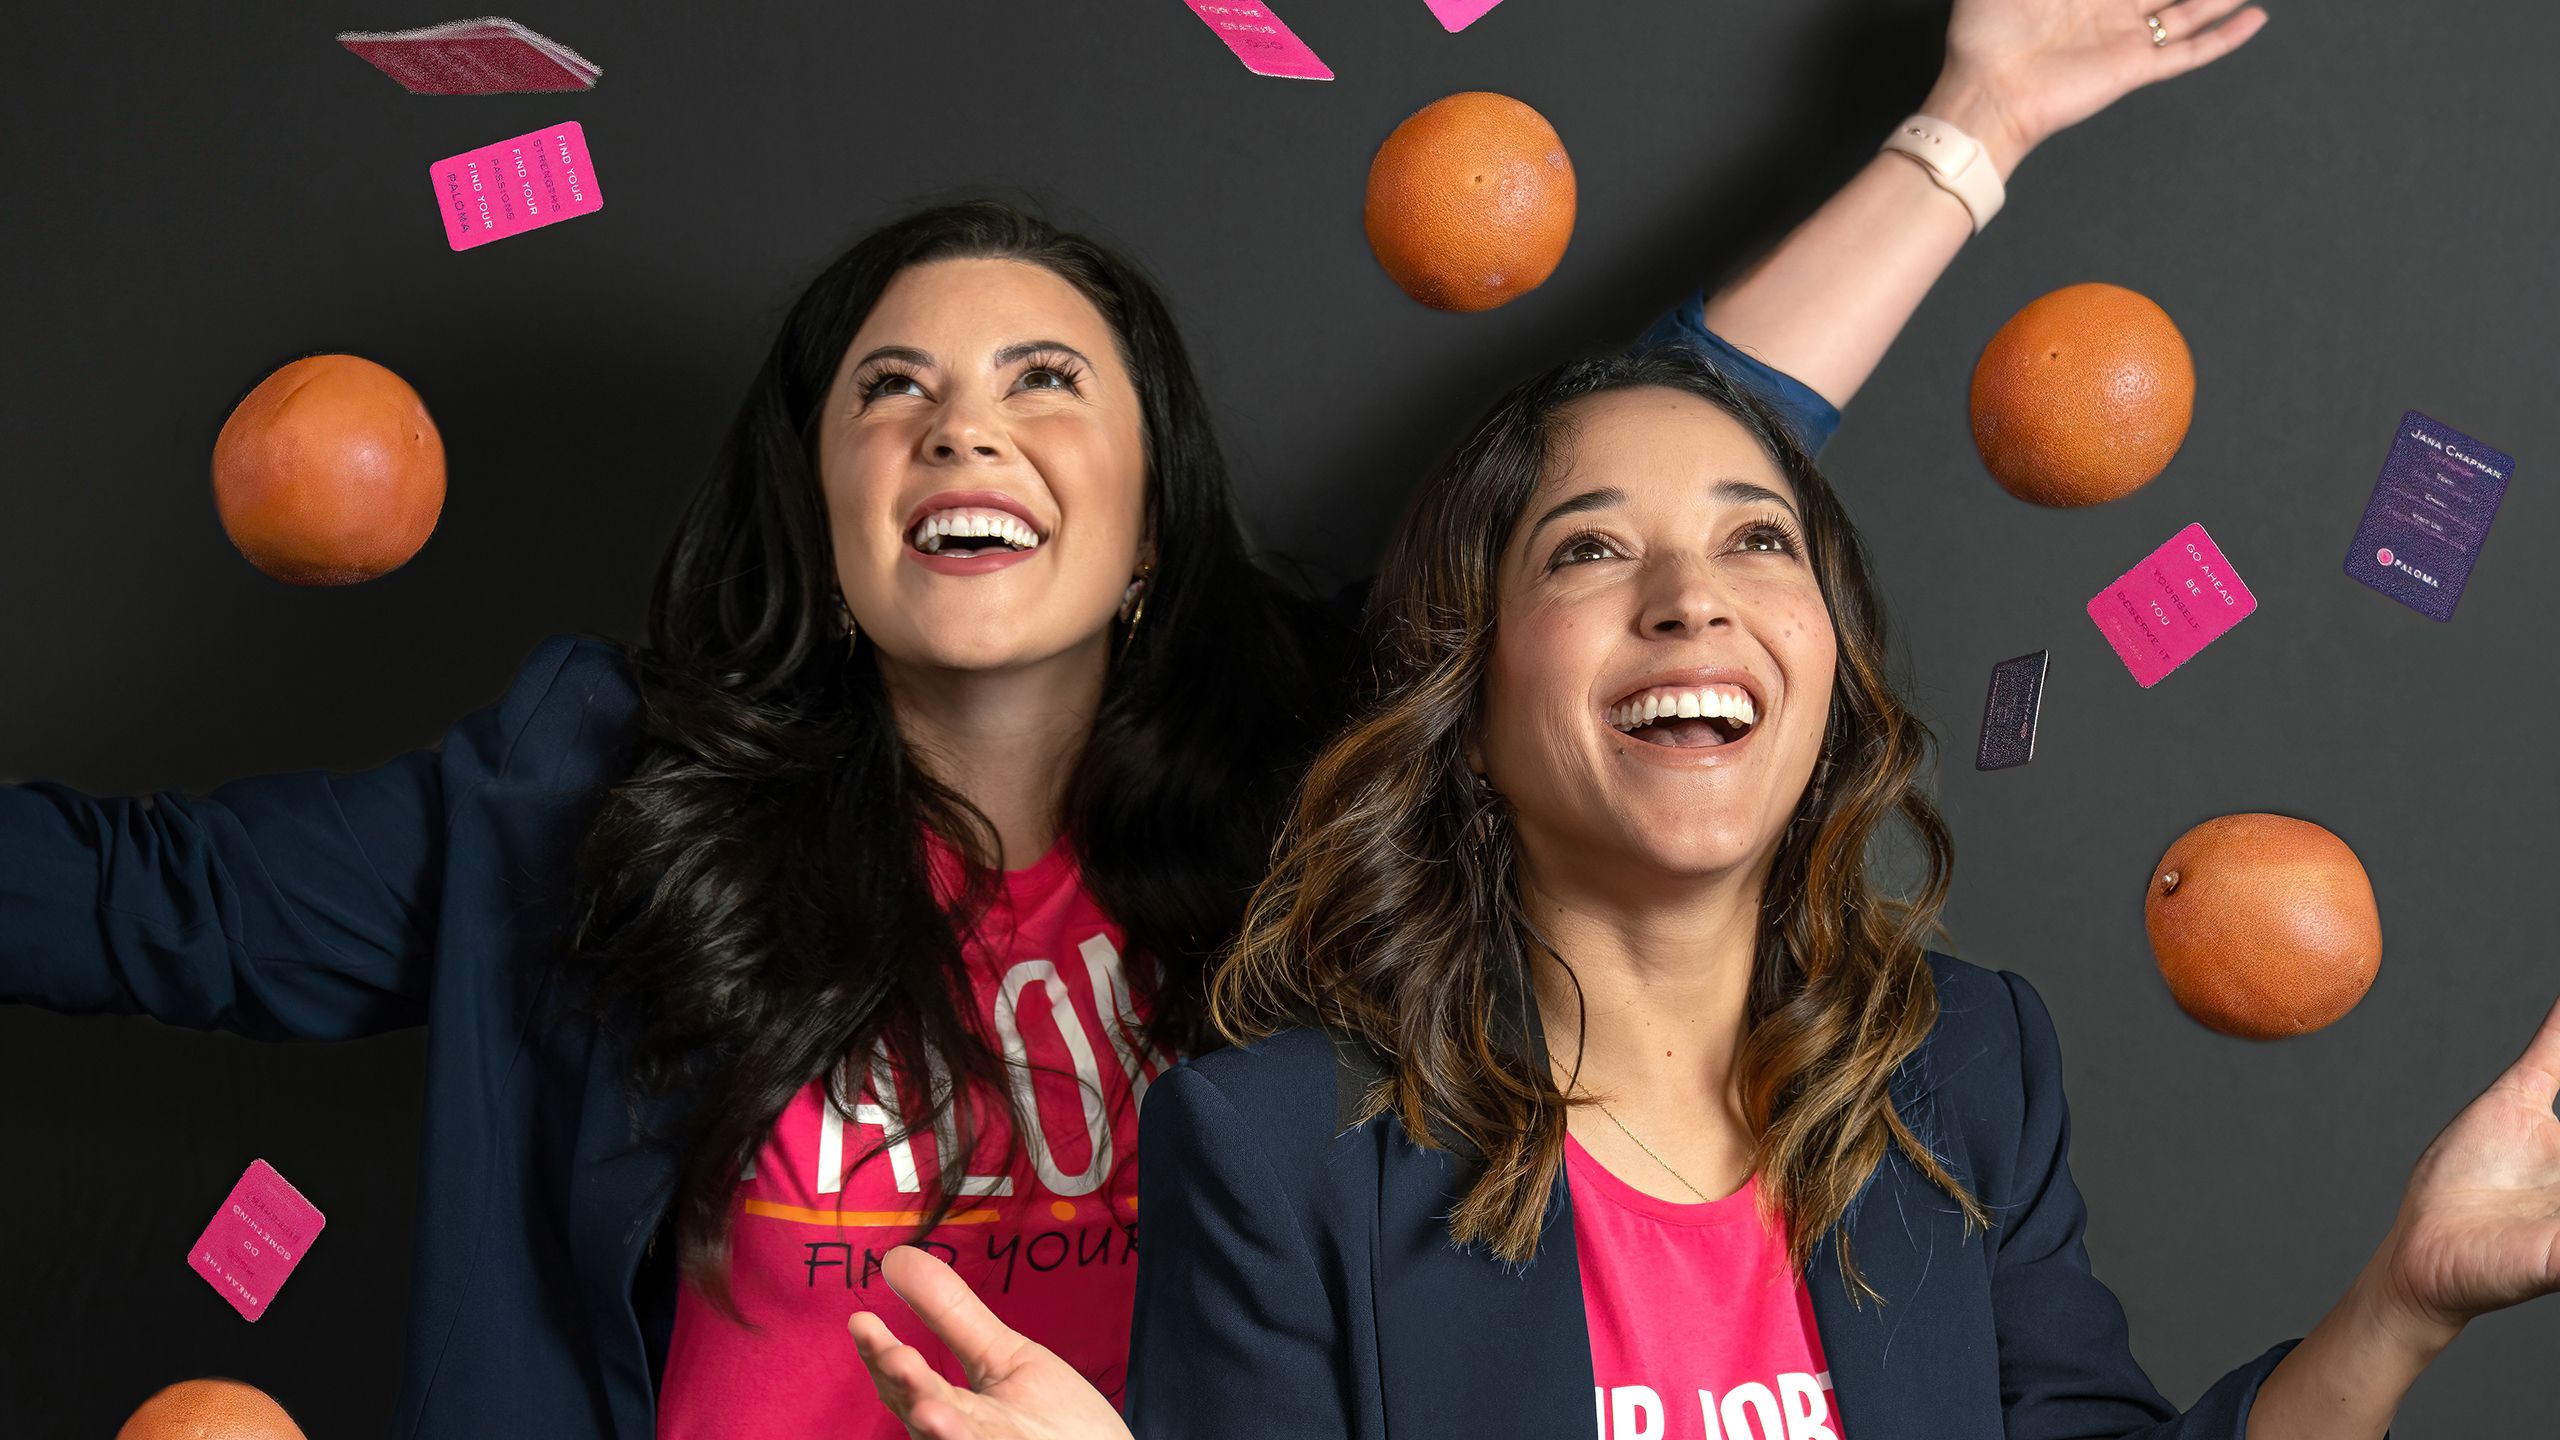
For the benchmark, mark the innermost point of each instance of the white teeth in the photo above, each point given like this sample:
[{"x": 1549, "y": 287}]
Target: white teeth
[
  {"x": 1729, "y": 702},
  {"x": 972, "y": 523}
]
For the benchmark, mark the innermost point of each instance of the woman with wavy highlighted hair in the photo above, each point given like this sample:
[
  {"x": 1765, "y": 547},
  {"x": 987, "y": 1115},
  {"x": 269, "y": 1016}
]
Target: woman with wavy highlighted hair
[{"x": 1587, "y": 1071}]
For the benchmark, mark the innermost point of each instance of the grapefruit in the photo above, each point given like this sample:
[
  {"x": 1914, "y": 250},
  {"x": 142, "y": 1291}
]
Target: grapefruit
[
  {"x": 329, "y": 473},
  {"x": 1470, "y": 202},
  {"x": 2263, "y": 925},
  {"x": 2083, "y": 396},
  {"x": 210, "y": 1410}
]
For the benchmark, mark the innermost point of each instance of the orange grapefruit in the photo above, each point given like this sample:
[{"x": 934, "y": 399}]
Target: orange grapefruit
[
  {"x": 2263, "y": 925},
  {"x": 1470, "y": 202},
  {"x": 210, "y": 1410},
  {"x": 329, "y": 473},
  {"x": 2083, "y": 396}
]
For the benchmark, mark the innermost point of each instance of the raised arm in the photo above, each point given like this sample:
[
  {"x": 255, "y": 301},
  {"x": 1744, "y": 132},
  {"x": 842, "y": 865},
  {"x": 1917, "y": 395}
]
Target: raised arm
[
  {"x": 298, "y": 906},
  {"x": 1825, "y": 304}
]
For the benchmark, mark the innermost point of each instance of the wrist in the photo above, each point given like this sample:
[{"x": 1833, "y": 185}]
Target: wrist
[
  {"x": 1974, "y": 105},
  {"x": 2386, "y": 1306}
]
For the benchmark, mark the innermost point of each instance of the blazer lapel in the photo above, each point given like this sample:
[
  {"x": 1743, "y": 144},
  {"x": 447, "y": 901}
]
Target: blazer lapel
[
  {"x": 618, "y": 1190},
  {"x": 1468, "y": 1347},
  {"x": 1891, "y": 1364}
]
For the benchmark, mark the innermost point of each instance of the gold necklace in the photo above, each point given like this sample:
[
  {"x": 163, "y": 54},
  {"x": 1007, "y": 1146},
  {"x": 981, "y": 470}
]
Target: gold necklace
[{"x": 1647, "y": 1149}]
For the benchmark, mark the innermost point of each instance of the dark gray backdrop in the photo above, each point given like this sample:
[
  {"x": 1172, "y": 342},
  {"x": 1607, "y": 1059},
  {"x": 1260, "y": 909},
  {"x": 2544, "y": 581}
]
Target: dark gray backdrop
[{"x": 2349, "y": 218}]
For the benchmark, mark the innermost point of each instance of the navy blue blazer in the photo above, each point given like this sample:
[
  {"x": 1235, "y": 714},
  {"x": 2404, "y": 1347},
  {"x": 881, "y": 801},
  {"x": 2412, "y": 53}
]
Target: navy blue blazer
[
  {"x": 433, "y": 889},
  {"x": 1299, "y": 1283}
]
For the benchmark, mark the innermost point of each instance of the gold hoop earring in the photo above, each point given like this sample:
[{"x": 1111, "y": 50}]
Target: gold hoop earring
[{"x": 1133, "y": 605}]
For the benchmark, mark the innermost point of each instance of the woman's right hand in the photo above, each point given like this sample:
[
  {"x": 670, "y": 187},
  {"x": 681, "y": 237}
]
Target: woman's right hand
[
  {"x": 2019, "y": 71},
  {"x": 1018, "y": 1389}
]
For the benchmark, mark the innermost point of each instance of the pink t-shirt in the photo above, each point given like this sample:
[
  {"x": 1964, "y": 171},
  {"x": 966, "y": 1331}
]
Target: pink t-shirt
[
  {"x": 1050, "y": 1242},
  {"x": 1698, "y": 1329}
]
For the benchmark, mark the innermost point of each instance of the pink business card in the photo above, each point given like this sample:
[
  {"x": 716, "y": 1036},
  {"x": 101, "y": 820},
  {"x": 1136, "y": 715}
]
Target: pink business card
[
  {"x": 261, "y": 1232},
  {"x": 536, "y": 179},
  {"x": 2161, "y": 612},
  {"x": 1457, "y": 15},
  {"x": 1262, "y": 40}
]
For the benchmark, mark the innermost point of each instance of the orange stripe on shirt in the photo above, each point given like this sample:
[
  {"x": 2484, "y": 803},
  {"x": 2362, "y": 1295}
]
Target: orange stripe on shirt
[{"x": 864, "y": 1217}]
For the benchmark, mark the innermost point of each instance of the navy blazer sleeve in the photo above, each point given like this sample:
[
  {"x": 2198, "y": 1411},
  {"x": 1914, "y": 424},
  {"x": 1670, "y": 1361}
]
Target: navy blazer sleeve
[
  {"x": 1229, "y": 1287},
  {"x": 2067, "y": 1370},
  {"x": 1803, "y": 407},
  {"x": 298, "y": 906}
]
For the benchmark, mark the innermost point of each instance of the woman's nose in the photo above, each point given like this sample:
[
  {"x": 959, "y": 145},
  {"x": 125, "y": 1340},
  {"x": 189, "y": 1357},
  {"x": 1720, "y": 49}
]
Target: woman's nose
[
  {"x": 1682, "y": 597},
  {"x": 963, "y": 431}
]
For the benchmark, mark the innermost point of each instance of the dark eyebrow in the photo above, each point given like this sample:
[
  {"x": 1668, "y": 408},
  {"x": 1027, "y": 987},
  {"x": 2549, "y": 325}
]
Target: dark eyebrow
[
  {"x": 1582, "y": 504},
  {"x": 907, "y": 353},
  {"x": 1030, "y": 348},
  {"x": 1744, "y": 492},
  {"x": 1741, "y": 492}
]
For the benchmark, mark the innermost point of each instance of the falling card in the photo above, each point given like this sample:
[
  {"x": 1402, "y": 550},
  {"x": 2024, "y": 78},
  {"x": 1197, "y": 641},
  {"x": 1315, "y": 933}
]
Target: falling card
[
  {"x": 1262, "y": 40},
  {"x": 2429, "y": 515},
  {"x": 536, "y": 179},
  {"x": 488, "y": 56},
  {"x": 1457, "y": 15},
  {"x": 261, "y": 1232},
  {"x": 2161, "y": 612},
  {"x": 2009, "y": 713}
]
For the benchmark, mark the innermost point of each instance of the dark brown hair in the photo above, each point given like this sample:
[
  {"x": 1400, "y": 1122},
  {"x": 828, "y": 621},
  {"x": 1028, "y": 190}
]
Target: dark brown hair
[
  {"x": 1393, "y": 912},
  {"x": 756, "y": 904}
]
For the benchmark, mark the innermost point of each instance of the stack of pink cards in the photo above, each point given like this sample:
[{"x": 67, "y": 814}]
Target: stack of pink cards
[{"x": 488, "y": 56}]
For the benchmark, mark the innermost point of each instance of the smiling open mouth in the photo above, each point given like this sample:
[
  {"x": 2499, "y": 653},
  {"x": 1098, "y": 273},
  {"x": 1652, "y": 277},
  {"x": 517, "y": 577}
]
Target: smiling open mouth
[
  {"x": 972, "y": 530},
  {"x": 1685, "y": 717}
]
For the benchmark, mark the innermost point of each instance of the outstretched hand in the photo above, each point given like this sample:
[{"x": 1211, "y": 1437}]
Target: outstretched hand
[
  {"x": 1018, "y": 1389},
  {"x": 2041, "y": 66},
  {"x": 2479, "y": 1227}
]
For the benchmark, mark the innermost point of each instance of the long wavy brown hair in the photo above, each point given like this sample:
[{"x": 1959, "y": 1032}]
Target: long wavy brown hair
[{"x": 1393, "y": 912}]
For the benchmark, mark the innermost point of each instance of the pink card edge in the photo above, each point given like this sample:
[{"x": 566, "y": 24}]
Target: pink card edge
[
  {"x": 1453, "y": 29},
  {"x": 1294, "y": 38},
  {"x": 292, "y": 1189}
]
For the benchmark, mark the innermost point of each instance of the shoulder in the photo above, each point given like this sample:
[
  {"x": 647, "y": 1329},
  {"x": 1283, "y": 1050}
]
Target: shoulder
[
  {"x": 1283, "y": 1084},
  {"x": 1268, "y": 1106},
  {"x": 580, "y": 669},
  {"x": 570, "y": 713},
  {"x": 1991, "y": 1059}
]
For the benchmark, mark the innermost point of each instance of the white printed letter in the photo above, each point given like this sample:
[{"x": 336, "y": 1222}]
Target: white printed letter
[
  {"x": 1808, "y": 1412},
  {"x": 1088, "y": 1077},
  {"x": 1754, "y": 1396},
  {"x": 1637, "y": 1413}
]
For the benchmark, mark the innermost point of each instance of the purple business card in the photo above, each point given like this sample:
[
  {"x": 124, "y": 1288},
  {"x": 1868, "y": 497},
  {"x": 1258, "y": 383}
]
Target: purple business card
[
  {"x": 2429, "y": 515},
  {"x": 2009, "y": 713}
]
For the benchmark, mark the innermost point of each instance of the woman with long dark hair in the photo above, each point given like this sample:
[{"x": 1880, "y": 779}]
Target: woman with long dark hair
[
  {"x": 865, "y": 899},
  {"x": 857, "y": 905},
  {"x": 1586, "y": 1070}
]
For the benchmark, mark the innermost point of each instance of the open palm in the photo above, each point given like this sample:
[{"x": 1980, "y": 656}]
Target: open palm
[
  {"x": 1018, "y": 1389},
  {"x": 2479, "y": 1226},
  {"x": 2055, "y": 63}
]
